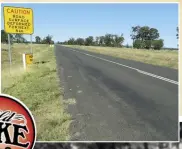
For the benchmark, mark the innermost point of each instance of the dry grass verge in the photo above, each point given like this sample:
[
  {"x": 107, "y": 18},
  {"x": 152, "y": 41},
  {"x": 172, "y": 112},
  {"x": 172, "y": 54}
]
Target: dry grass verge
[
  {"x": 166, "y": 58},
  {"x": 39, "y": 89}
]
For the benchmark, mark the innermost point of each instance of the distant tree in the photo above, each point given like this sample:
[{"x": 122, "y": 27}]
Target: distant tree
[
  {"x": 89, "y": 41},
  {"x": 19, "y": 38},
  {"x": 80, "y": 41},
  {"x": 135, "y": 33},
  {"x": 24, "y": 40},
  {"x": 59, "y": 42},
  {"x": 108, "y": 40},
  {"x": 177, "y": 34},
  {"x": 101, "y": 40},
  {"x": 71, "y": 41},
  {"x": 37, "y": 39},
  {"x": 65, "y": 42},
  {"x": 97, "y": 40},
  {"x": 118, "y": 40},
  {"x": 47, "y": 40},
  {"x": 127, "y": 46}
]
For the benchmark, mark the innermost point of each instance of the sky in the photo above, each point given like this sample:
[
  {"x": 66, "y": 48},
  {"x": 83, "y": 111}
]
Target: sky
[{"x": 64, "y": 21}]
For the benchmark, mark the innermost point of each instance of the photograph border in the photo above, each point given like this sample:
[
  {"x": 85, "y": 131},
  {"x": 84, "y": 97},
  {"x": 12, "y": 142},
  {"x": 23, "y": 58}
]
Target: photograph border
[{"x": 179, "y": 2}]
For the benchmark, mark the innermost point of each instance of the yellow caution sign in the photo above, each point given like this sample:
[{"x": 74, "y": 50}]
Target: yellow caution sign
[
  {"x": 18, "y": 20},
  {"x": 29, "y": 58}
]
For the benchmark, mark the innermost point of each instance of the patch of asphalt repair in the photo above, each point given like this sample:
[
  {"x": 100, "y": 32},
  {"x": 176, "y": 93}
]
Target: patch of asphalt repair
[{"x": 115, "y": 103}]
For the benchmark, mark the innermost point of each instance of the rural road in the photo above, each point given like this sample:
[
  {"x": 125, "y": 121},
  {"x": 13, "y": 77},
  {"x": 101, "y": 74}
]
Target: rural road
[{"x": 117, "y": 99}]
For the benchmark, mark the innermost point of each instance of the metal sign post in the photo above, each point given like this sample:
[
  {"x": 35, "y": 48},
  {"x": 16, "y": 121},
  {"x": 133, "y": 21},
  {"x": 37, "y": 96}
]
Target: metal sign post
[
  {"x": 9, "y": 49},
  {"x": 31, "y": 42}
]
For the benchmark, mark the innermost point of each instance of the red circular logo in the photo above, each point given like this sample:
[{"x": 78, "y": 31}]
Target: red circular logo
[{"x": 17, "y": 126}]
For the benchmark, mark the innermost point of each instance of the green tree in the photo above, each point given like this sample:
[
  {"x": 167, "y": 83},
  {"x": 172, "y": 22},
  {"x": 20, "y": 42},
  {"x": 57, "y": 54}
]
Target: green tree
[
  {"x": 101, "y": 40},
  {"x": 97, "y": 40},
  {"x": 47, "y": 40},
  {"x": 37, "y": 39},
  {"x": 65, "y": 42},
  {"x": 80, "y": 41},
  {"x": 108, "y": 40},
  {"x": 19, "y": 38},
  {"x": 71, "y": 41},
  {"x": 4, "y": 37},
  {"x": 137, "y": 44},
  {"x": 24, "y": 40},
  {"x": 145, "y": 34},
  {"x": 135, "y": 33},
  {"x": 89, "y": 41},
  {"x": 147, "y": 44},
  {"x": 118, "y": 40},
  {"x": 157, "y": 44},
  {"x": 153, "y": 34},
  {"x": 177, "y": 34},
  {"x": 127, "y": 45}
]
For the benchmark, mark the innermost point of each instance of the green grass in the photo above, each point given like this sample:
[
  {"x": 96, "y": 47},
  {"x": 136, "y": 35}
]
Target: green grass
[
  {"x": 166, "y": 58},
  {"x": 39, "y": 88}
]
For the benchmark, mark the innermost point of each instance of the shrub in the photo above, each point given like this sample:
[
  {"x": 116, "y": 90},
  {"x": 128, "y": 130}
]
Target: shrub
[
  {"x": 147, "y": 44},
  {"x": 137, "y": 44},
  {"x": 157, "y": 44}
]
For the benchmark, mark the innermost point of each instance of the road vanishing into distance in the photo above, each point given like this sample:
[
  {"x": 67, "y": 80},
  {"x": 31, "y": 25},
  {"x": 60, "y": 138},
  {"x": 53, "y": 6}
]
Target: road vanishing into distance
[{"x": 117, "y": 99}]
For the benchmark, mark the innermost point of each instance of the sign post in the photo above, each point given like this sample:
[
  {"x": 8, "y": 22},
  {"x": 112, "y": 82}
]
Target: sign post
[
  {"x": 9, "y": 49},
  {"x": 18, "y": 20},
  {"x": 31, "y": 43}
]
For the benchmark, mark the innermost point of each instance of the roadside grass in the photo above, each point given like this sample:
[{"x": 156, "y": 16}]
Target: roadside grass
[
  {"x": 39, "y": 88},
  {"x": 166, "y": 58}
]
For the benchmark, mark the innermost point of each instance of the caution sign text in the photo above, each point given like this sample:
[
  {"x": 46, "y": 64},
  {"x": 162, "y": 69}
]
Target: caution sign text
[
  {"x": 29, "y": 58},
  {"x": 18, "y": 20}
]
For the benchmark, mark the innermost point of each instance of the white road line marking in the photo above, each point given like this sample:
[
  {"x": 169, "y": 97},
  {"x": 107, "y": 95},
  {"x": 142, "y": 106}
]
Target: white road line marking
[{"x": 138, "y": 70}]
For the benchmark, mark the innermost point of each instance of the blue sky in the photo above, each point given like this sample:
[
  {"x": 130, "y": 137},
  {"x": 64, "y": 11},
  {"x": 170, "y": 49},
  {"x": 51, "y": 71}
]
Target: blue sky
[{"x": 64, "y": 21}]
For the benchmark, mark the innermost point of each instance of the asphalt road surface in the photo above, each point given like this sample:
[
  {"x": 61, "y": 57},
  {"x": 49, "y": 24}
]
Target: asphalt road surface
[{"x": 117, "y": 99}]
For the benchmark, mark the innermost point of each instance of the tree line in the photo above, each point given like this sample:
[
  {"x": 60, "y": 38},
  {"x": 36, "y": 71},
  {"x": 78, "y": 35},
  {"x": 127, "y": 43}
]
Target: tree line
[
  {"x": 107, "y": 40},
  {"x": 143, "y": 37},
  {"x": 18, "y": 38}
]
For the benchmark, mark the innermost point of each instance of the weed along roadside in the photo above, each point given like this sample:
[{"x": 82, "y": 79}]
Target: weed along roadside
[{"x": 38, "y": 87}]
